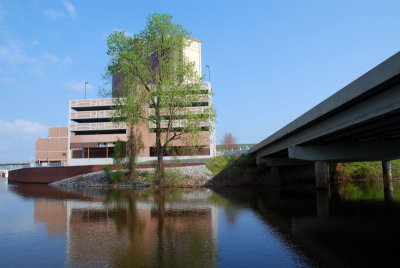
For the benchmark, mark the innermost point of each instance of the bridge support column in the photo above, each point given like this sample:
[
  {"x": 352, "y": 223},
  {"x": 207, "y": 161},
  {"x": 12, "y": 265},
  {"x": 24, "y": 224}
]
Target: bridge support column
[
  {"x": 323, "y": 197},
  {"x": 387, "y": 180},
  {"x": 321, "y": 174}
]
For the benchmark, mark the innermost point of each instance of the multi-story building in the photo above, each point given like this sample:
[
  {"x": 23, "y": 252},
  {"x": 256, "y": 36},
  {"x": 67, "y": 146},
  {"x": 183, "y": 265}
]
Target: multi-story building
[
  {"x": 53, "y": 149},
  {"x": 92, "y": 134}
]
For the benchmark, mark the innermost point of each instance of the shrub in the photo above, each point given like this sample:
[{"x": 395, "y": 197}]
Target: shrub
[
  {"x": 145, "y": 174},
  {"x": 216, "y": 164},
  {"x": 107, "y": 171},
  {"x": 396, "y": 168},
  {"x": 113, "y": 176},
  {"x": 359, "y": 170}
]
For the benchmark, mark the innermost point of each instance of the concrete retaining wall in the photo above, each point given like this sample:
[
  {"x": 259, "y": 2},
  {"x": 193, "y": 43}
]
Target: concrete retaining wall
[{"x": 46, "y": 175}]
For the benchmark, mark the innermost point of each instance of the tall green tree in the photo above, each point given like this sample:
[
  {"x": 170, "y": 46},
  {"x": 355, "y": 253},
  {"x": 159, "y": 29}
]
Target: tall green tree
[{"x": 159, "y": 84}]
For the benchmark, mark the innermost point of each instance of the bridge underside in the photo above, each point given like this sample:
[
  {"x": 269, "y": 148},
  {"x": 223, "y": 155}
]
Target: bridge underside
[
  {"x": 367, "y": 130},
  {"x": 361, "y": 122},
  {"x": 375, "y": 140}
]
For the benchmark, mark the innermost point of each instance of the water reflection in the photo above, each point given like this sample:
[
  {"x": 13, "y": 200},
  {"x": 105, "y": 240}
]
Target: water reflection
[
  {"x": 53, "y": 213},
  {"x": 376, "y": 190},
  {"x": 351, "y": 225},
  {"x": 3, "y": 184},
  {"x": 135, "y": 228}
]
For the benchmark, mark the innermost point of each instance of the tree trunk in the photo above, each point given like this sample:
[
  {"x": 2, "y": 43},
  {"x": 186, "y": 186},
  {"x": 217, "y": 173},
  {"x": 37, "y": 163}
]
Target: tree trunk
[
  {"x": 159, "y": 148},
  {"x": 132, "y": 147},
  {"x": 160, "y": 158}
]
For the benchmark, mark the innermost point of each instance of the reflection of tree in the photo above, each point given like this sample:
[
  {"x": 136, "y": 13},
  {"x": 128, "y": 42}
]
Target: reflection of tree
[
  {"x": 231, "y": 215},
  {"x": 126, "y": 217},
  {"x": 160, "y": 207},
  {"x": 165, "y": 236},
  {"x": 125, "y": 211},
  {"x": 364, "y": 191},
  {"x": 176, "y": 247}
]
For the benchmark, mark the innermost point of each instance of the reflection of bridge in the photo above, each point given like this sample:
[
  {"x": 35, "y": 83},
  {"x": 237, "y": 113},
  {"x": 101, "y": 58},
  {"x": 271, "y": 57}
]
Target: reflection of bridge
[
  {"x": 327, "y": 228},
  {"x": 360, "y": 122}
]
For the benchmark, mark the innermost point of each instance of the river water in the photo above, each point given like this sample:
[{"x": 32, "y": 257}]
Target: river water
[{"x": 352, "y": 225}]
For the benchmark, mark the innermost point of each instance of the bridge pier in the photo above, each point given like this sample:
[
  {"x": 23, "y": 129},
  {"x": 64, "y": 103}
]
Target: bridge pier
[
  {"x": 323, "y": 198},
  {"x": 387, "y": 180},
  {"x": 321, "y": 175}
]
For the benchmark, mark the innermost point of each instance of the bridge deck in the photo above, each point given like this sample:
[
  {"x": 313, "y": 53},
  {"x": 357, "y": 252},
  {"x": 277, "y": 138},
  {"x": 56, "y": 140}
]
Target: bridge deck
[{"x": 372, "y": 99}]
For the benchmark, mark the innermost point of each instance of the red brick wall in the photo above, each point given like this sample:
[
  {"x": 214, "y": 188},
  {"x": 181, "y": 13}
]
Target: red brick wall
[{"x": 48, "y": 175}]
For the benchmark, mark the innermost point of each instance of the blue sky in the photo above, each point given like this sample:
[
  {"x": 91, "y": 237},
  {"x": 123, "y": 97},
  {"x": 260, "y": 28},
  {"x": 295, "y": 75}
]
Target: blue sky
[{"x": 270, "y": 61}]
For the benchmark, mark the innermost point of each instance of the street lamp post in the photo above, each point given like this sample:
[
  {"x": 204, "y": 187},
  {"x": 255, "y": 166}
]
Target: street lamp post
[
  {"x": 85, "y": 88},
  {"x": 209, "y": 73}
]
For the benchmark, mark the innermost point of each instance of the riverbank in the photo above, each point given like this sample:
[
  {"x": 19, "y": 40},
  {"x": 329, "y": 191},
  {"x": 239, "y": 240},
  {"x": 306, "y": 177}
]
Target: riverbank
[
  {"x": 185, "y": 177},
  {"x": 243, "y": 170},
  {"x": 358, "y": 171}
]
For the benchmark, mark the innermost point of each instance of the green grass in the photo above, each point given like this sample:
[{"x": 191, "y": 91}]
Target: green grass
[
  {"x": 174, "y": 177},
  {"x": 365, "y": 170},
  {"x": 219, "y": 163}
]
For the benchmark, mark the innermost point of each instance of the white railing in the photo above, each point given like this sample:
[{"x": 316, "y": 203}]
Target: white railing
[
  {"x": 93, "y": 102},
  {"x": 105, "y": 114},
  {"x": 83, "y": 127},
  {"x": 92, "y": 114},
  {"x": 110, "y": 125},
  {"x": 97, "y": 126},
  {"x": 183, "y": 110},
  {"x": 180, "y": 123}
]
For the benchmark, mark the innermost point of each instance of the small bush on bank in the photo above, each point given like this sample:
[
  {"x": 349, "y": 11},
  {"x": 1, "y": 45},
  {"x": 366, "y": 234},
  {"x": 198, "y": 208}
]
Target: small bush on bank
[
  {"x": 145, "y": 177},
  {"x": 174, "y": 177},
  {"x": 358, "y": 170},
  {"x": 145, "y": 174},
  {"x": 216, "y": 164},
  {"x": 113, "y": 176},
  {"x": 396, "y": 168}
]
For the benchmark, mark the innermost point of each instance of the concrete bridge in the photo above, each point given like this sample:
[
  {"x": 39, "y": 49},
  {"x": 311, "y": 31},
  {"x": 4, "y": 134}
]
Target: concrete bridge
[{"x": 360, "y": 122}]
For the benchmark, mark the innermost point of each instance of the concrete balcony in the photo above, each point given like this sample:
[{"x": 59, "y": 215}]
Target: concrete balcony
[
  {"x": 206, "y": 85},
  {"x": 102, "y": 138},
  {"x": 183, "y": 111},
  {"x": 92, "y": 114},
  {"x": 180, "y": 123},
  {"x": 203, "y": 98},
  {"x": 92, "y": 105},
  {"x": 97, "y": 126}
]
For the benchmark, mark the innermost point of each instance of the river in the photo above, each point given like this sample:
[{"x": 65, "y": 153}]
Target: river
[{"x": 352, "y": 225}]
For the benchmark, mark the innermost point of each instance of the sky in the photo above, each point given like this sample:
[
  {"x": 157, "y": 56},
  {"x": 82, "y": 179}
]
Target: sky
[{"x": 270, "y": 61}]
